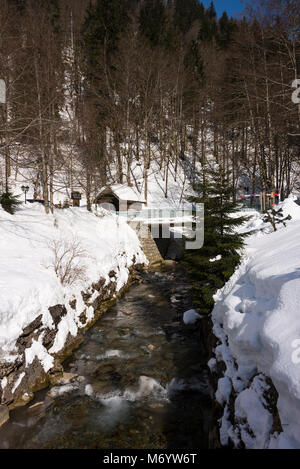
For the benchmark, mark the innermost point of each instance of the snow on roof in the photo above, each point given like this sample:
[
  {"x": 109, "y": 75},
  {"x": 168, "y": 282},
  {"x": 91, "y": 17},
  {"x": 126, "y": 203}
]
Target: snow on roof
[{"x": 124, "y": 192}]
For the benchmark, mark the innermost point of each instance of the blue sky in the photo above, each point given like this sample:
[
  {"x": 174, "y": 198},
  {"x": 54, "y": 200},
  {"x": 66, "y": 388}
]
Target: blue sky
[{"x": 232, "y": 7}]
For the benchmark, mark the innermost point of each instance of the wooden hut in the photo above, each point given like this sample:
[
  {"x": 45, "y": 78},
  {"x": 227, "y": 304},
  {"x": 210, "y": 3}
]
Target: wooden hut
[{"x": 120, "y": 197}]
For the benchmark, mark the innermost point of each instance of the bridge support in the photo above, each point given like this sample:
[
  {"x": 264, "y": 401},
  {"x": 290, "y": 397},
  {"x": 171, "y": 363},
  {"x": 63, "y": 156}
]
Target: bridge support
[{"x": 148, "y": 245}]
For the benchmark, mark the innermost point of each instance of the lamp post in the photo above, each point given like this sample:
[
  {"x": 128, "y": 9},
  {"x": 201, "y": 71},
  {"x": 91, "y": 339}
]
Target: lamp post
[{"x": 25, "y": 189}]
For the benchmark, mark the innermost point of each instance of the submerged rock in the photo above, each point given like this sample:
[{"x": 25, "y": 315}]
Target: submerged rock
[{"x": 64, "y": 378}]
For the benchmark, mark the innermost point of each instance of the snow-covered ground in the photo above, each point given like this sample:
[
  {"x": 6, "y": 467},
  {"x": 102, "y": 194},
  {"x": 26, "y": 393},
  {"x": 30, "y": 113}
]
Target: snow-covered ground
[
  {"x": 256, "y": 319},
  {"x": 28, "y": 283}
]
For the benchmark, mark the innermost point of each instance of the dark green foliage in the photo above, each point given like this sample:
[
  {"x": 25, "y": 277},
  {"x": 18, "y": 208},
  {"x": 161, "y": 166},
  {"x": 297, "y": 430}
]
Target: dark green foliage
[
  {"x": 102, "y": 27},
  {"x": 194, "y": 63},
  {"x": 54, "y": 10},
  {"x": 9, "y": 202},
  {"x": 211, "y": 11},
  {"x": 275, "y": 217},
  {"x": 209, "y": 28},
  {"x": 153, "y": 21},
  {"x": 220, "y": 239},
  {"x": 186, "y": 12},
  {"x": 226, "y": 29}
]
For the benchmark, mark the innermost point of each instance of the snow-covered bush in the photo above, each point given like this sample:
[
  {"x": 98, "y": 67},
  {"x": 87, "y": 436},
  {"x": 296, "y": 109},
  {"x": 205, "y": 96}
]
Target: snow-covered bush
[
  {"x": 67, "y": 260},
  {"x": 275, "y": 217}
]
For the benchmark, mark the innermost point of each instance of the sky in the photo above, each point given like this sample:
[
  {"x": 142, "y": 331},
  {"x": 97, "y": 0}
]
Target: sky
[{"x": 232, "y": 7}]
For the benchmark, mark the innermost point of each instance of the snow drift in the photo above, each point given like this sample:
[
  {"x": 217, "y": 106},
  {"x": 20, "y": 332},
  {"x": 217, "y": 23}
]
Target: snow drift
[
  {"x": 29, "y": 284},
  {"x": 256, "y": 319}
]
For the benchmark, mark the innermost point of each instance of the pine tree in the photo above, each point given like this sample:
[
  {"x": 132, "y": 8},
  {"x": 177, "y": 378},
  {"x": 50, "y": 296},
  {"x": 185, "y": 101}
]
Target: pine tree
[
  {"x": 153, "y": 21},
  {"x": 226, "y": 29},
  {"x": 102, "y": 27},
  {"x": 209, "y": 28},
  {"x": 212, "y": 265},
  {"x": 186, "y": 12},
  {"x": 194, "y": 64},
  {"x": 9, "y": 202},
  {"x": 211, "y": 11},
  {"x": 275, "y": 217}
]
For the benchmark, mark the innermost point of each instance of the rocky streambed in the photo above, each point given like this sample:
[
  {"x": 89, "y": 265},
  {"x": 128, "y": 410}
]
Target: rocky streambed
[{"x": 138, "y": 380}]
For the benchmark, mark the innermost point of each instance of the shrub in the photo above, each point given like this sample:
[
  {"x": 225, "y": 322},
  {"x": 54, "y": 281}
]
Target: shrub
[
  {"x": 9, "y": 202},
  {"x": 67, "y": 261},
  {"x": 275, "y": 217}
]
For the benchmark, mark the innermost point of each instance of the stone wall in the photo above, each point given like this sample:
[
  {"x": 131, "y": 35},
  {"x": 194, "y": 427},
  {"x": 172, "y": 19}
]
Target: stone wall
[
  {"x": 148, "y": 245},
  {"x": 18, "y": 381}
]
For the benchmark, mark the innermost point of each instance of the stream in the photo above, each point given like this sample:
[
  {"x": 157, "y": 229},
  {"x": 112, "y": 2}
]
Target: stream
[{"x": 140, "y": 381}]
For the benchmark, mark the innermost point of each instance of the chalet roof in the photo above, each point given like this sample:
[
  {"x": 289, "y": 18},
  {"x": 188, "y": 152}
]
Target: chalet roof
[{"x": 123, "y": 192}]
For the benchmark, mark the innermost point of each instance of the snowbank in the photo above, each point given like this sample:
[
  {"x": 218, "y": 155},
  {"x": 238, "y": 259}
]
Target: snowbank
[
  {"x": 256, "y": 318},
  {"x": 28, "y": 283}
]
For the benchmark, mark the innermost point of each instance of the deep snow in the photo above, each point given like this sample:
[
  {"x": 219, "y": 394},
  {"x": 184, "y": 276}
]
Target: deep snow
[
  {"x": 256, "y": 319},
  {"x": 28, "y": 283}
]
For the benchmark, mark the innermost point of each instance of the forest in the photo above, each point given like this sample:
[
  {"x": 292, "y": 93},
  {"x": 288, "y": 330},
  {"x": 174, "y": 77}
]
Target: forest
[{"x": 93, "y": 86}]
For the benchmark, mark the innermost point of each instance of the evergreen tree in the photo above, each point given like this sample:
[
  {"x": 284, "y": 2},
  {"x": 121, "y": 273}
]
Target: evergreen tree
[
  {"x": 153, "y": 21},
  {"x": 186, "y": 12},
  {"x": 9, "y": 202},
  {"x": 226, "y": 29},
  {"x": 209, "y": 28},
  {"x": 211, "y": 11},
  {"x": 105, "y": 20},
  {"x": 194, "y": 64},
  {"x": 212, "y": 265}
]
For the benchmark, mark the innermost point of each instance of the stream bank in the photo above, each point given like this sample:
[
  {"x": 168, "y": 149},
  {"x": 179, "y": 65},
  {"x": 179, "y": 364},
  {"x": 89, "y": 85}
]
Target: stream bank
[
  {"x": 21, "y": 378},
  {"x": 138, "y": 380}
]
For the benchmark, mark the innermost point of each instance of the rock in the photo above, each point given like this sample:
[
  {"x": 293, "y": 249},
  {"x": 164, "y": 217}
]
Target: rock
[
  {"x": 83, "y": 317},
  {"x": 64, "y": 378},
  {"x": 57, "y": 368},
  {"x": 89, "y": 390},
  {"x": 175, "y": 251},
  {"x": 49, "y": 337},
  {"x": 173, "y": 299},
  {"x": 7, "y": 368},
  {"x": 22, "y": 401},
  {"x": 127, "y": 312},
  {"x": 37, "y": 404},
  {"x": 191, "y": 316},
  {"x": 57, "y": 312},
  {"x": 27, "y": 335},
  {"x": 58, "y": 391},
  {"x": 32, "y": 326},
  {"x": 156, "y": 405},
  {"x": 80, "y": 379},
  {"x": 99, "y": 285},
  {"x": 4, "y": 414},
  {"x": 27, "y": 397},
  {"x": 169, "y": 264}
]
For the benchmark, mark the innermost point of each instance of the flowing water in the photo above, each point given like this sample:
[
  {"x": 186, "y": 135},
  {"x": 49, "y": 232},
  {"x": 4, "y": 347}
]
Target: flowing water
[{"x": 142, "y": 380}]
